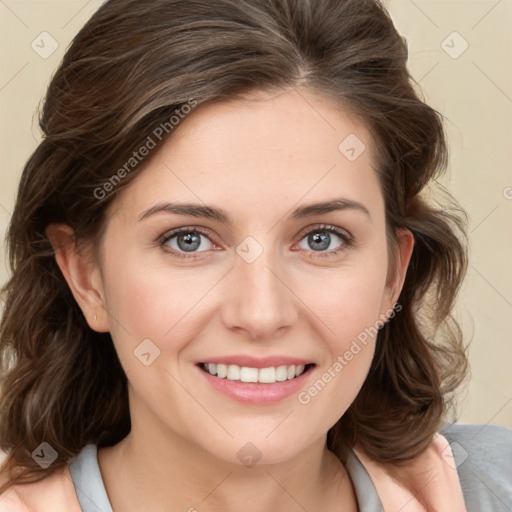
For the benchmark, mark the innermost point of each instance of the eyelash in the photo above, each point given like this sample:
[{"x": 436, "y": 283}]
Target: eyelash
[{"x": 348, "y": 241}]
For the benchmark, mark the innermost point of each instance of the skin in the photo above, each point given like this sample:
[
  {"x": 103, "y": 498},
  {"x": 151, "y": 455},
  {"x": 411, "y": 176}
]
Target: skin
[{"x": 259, "y": 159}]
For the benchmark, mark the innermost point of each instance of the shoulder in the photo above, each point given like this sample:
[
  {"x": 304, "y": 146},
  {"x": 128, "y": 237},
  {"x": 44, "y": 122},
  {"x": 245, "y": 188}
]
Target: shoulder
[
  {"x": 465, "y": 468},
  {"x": 482, "y": 455},
  {"x": 55, "y": 493}
]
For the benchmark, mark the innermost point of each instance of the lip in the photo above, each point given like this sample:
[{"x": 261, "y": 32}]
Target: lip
[
  {"x": 256, "y": 362},
  {"x": 257, "y": 393}
]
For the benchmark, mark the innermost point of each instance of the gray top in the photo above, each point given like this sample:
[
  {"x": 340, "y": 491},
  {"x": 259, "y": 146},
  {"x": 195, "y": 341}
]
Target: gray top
[{"x": 482, "y": 453}]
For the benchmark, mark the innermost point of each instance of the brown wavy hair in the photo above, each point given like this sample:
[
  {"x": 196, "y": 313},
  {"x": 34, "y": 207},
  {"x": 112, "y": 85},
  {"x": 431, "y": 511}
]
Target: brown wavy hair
[{"x": 132, "y": 67}]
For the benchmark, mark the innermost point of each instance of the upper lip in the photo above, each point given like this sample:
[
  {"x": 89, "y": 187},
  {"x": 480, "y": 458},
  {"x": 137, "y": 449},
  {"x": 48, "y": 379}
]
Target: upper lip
[{"x": 257, "y": 362}]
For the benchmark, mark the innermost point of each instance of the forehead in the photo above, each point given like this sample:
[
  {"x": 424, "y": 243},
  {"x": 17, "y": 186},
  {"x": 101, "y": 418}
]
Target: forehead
[{"x": 264, "y": 152}]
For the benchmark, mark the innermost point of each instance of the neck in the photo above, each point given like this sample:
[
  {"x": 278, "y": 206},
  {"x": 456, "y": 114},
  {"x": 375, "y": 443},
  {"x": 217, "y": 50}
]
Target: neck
[{"x": 175, "y": 473}]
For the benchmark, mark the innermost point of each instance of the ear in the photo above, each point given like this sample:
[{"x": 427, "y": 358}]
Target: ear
[
  {"x": 82, "y": 275},
  {"x": 397, "y": 273}
]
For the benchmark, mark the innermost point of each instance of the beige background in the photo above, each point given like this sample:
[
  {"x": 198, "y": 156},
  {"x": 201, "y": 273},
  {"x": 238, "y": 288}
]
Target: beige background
[{"x": 472, "y": 89}]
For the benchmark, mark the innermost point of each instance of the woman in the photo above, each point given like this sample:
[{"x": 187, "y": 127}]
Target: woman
[{"x": 228, "y": 288}]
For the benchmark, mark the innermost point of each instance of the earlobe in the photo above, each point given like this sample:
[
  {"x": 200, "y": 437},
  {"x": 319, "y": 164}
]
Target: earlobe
[{"x": 82, "y": 275}]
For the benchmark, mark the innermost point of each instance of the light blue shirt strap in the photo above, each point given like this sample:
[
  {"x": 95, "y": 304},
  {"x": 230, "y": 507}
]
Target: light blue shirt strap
[
  {"x": 367, "y": 498},
  {"x": 86, "y": 476},
  {"x": 483, "y": 457}
]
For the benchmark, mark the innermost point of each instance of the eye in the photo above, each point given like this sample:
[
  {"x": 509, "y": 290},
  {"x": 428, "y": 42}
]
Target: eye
[
  {"x": 321, "y": 238},
  {"x": 186, "y": 240}
]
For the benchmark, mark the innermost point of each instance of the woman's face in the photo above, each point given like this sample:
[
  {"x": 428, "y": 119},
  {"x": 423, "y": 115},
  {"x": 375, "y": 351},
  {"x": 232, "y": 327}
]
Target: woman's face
[{"x": 259, "y": 280}]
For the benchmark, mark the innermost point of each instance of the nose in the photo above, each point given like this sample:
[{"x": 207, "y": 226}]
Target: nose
[{"x": 258, "y": 300}]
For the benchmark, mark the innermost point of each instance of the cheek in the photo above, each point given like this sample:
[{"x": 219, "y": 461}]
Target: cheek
[
  {"x": 347, "y": 299},
  {"x": 156, "y": 303},
  {"x": 348, "y": 303},
  {"x": 350, "y": 310}
]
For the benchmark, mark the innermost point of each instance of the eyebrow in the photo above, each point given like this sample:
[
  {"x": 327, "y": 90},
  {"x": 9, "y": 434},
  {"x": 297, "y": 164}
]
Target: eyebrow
[{"x": 222, "y": 216}]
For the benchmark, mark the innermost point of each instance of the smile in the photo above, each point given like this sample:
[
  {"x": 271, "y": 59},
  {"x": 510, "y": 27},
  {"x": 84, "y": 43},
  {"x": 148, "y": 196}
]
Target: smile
[{"x": 267, "y": 375}]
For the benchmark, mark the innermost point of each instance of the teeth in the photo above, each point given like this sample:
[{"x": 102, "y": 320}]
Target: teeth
[
  {"x": 247, "y": 374},
  {"x": 222, "y": 371},
  {"x": 233, "y": 372},
  {"x": 267, "y": 375},
  {"x": 281, "y": 373}
]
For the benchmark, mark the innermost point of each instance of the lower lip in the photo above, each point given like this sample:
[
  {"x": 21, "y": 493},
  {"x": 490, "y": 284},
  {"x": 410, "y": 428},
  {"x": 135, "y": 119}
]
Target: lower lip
[{"x": 257, "y": 393}]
